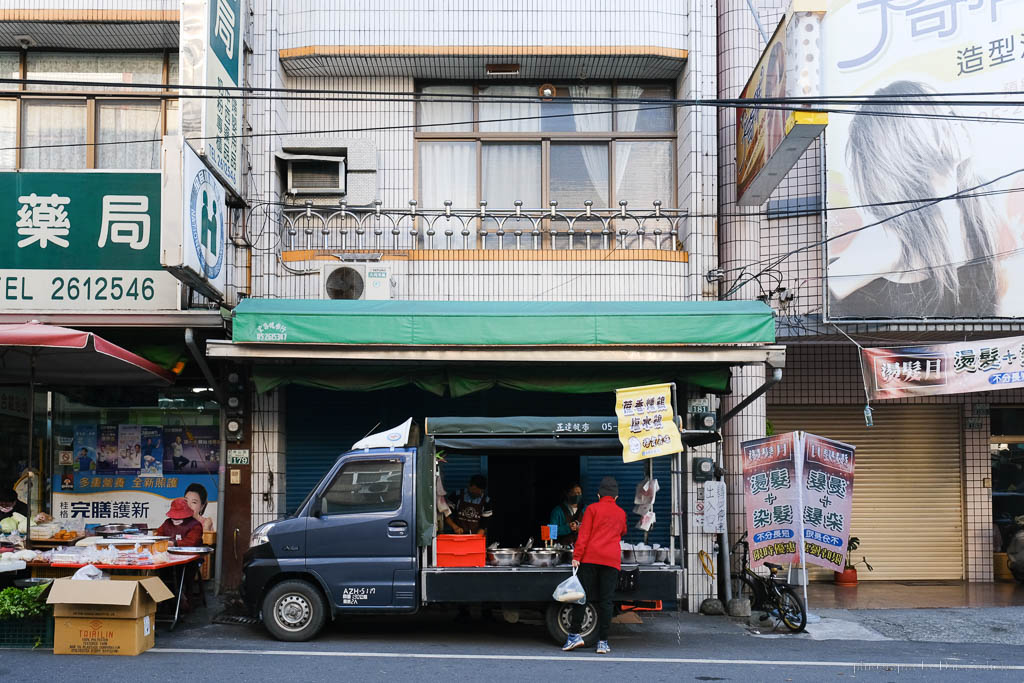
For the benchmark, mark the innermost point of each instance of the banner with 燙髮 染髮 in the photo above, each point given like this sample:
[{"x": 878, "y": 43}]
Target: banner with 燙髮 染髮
[
  {"x": 771, "y": 495},
  {"x": 827, "y": 490}
]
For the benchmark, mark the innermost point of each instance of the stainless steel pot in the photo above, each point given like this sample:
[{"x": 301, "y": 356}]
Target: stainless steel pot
[
  {"x": 505, "y": 557},
  {"x": 643, "y": 555},
  {"x": 542, "y": 557},
  {"x": 627, "y": 555}
]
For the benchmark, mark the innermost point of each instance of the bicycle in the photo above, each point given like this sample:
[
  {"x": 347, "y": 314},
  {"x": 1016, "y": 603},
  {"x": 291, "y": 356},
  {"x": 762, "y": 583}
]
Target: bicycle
[{"x": 768, "y": 594}]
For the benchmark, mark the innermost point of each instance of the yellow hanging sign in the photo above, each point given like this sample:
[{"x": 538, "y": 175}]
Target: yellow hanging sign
[{"x": 647, "y": 425}]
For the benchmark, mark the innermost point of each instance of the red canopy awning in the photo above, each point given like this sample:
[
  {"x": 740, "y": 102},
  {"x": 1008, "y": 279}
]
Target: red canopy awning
[{"x": 62, "y": 356}]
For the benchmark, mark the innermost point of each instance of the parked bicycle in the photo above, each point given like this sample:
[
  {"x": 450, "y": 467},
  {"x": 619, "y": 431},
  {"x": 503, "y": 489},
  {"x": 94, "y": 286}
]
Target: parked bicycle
[{"x": 768, "y": 594}]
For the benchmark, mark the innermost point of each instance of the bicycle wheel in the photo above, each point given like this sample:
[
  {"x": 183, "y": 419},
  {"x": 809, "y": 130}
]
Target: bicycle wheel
[
  {"x": 791, "y": 609},
  {"x": 744, "y": 587}
]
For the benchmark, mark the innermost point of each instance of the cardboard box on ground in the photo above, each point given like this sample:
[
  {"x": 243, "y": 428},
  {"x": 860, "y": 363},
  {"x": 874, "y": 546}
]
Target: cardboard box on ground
[{"x": 108, "y": 617}]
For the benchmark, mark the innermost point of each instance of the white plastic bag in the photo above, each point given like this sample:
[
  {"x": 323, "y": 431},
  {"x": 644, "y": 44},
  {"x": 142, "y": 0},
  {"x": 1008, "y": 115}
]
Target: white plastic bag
[
  {"x": 89, "y": 573},
  {"x": 570, "y": 590}
]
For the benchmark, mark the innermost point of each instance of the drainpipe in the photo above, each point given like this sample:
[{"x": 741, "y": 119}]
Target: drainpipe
[
  {"x": 218, "y": 391},
  {"x": 724, "y": 548}
]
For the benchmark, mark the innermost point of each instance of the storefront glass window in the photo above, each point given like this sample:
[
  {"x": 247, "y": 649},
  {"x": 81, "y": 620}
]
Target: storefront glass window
[
  {"x": 8, "y": 132},
  {"x": 456, "y": 114},
  {"x": 122, "y": 69},
  {"x": 644, "y": 117},
  {"x": 128, "y": 121},
  {"x": 9, "y": 68},
  {"x": 1007, "y": 455}
]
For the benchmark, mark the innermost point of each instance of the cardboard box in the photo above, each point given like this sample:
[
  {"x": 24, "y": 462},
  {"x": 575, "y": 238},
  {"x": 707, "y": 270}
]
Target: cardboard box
[
  {"x": 129, "y": 599},
  {"x": 92, "y": 636}
]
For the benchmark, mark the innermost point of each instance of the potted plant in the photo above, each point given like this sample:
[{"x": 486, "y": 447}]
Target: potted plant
[{"x": 848, "y": 577}]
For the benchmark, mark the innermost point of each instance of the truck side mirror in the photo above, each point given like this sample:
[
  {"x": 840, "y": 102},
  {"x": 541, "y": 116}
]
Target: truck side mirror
[{"x": 315, "y": 510}]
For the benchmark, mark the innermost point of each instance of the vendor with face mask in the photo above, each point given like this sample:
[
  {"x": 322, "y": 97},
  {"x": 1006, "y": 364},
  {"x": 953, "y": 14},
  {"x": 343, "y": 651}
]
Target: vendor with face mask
[
  {"x": 9, "y": 504},
  {"x": 568, "y": 513},
  {"x": 184, "y": 530}
]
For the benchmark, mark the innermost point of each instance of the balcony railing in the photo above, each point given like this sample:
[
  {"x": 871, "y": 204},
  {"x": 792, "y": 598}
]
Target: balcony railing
[{"x": 339, "y": 228}]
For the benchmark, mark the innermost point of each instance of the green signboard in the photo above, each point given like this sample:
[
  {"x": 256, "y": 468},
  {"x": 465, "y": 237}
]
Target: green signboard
[{"x": 82, "y": 240}]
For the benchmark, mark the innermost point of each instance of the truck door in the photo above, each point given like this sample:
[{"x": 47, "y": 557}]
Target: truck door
[{"x": 360, "y": 538}]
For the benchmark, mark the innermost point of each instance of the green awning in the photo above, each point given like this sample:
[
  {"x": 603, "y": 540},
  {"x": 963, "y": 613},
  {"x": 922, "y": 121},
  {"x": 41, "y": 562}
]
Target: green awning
[{"x": 501, "y": 323}]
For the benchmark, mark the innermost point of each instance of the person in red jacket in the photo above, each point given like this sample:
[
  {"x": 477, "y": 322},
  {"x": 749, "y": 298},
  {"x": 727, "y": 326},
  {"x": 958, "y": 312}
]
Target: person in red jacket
[
  {"x": 185, "y": 531},
  {"x": 597, "y": 554}
]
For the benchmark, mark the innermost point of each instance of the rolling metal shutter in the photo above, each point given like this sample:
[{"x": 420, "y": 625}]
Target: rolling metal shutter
[
  {"x": 628, "y": 475},
  {"x": 907, "y": 508}
]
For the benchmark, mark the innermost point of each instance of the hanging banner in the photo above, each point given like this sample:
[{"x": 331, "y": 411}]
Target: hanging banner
[
  {"x": 647, "y": 425},
  {"x": 958, "y": 368},
  {"x": 771, "y": 496},
  {"x": 125, "y": 499},
  {"x": 827, "y": 476}
]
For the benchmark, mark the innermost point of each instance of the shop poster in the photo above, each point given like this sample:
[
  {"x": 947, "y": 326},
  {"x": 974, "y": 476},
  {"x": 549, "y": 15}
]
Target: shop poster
[
  {"x": 108, "y": 460},
  {"x": 152, "y": 452},
  {"x": 827, "y": 500},
  {"x": 129, "y": 449},
  {"x": 84, "y": 448},
  {"x": 798, "y": 485},
  {"x": 647, "y": 426},
  {"x": 771, "y": 495},
  {"x": 191, "y": 450}
]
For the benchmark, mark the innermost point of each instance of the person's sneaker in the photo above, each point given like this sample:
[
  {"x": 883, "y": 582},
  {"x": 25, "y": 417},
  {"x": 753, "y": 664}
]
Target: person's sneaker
[
  {"x": 572, "y": 642},
  {"x": 602, "y": 647}
]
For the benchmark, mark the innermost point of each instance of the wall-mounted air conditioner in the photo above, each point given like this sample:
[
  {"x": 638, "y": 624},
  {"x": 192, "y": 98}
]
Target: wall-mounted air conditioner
[
  {"x": 369, "y": 281},
  {"x": 315, "y": 175}
]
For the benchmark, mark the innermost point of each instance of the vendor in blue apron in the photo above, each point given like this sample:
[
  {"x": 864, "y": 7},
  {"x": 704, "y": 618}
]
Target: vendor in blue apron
[
  {"x": 568, "y": 514},
  {"x": 471, "y": 508}
]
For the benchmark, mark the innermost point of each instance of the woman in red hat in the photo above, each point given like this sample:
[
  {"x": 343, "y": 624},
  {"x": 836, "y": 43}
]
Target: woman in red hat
[{"x": 184, "y": 530}]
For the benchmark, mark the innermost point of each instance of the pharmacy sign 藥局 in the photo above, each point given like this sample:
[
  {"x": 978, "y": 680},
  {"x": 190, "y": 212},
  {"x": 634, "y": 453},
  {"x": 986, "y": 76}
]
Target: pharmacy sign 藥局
[{"x": 82, "y": 241}]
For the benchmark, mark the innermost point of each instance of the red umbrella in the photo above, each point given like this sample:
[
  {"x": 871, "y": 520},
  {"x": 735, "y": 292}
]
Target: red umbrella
[{"x": 38, "y": 353}]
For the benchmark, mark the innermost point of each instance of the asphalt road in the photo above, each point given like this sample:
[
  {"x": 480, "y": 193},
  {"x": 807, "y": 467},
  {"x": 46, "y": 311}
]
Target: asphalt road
[{"x": 435, "y": 647}]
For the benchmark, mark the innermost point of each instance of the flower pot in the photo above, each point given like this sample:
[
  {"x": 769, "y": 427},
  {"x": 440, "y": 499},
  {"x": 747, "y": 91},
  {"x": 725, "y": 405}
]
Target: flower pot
[{"x": 847, "y": 577}]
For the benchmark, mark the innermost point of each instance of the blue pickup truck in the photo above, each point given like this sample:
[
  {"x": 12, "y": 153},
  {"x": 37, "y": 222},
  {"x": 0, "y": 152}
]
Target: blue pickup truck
[{"x": 364, "y": 539}]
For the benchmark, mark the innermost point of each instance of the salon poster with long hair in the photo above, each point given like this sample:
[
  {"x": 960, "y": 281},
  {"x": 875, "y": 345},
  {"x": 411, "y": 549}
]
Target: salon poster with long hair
[{"x": 897, "y": 249}]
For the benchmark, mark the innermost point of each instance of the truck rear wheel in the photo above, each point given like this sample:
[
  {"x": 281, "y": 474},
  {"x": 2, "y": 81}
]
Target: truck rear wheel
[
  {"x": 294, "y": 611},
  {"x": 559, "y": 617}
]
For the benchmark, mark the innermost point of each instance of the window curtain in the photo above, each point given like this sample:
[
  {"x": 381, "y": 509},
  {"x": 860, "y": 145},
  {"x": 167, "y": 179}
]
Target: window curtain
[
  {"x": 510, "y": 173},
  {"x": 8, "y": 132},
  {"x": 447, "y": 172},
  {"x": 448, "y": 111},
  {"x": 125, "y": 123},
  {"x": 625, "y": 121},
  {"x": 594, "y": 159},
  {"x": 53, "y": 123},
  {"x": 490, "y": 109}
]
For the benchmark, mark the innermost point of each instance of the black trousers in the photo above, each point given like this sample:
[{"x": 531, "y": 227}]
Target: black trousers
[{"x": 599, "y": 582}]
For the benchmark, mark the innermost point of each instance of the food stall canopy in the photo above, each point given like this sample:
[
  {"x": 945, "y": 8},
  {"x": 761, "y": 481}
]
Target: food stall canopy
[
  {"x": 527, "y": 431},
  {"x": 45, "y": 354}
]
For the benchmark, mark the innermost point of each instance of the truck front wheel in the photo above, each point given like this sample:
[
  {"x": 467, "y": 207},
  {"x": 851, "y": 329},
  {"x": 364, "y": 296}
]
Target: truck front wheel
[
  {"x": 294, "y": 611},
  {"x": 559, "y": 617}
]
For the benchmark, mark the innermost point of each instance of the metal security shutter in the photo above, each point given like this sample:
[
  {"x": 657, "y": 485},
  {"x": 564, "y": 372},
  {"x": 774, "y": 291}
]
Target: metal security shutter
[
  {"x": 595, "y": 467},
  {"x": 907, "y": 507},
  {"x": 455, "y": 473}
]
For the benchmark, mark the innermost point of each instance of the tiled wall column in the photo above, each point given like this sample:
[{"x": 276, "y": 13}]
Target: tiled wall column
[
  {"x": 268, "y": 457},
  {"x": 977, "y": 496},
  {"x": 739, "y": 47}
]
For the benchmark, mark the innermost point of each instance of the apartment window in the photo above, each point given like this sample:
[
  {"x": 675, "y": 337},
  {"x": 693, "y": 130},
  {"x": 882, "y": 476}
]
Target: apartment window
[
  {"x": 582, "y": 145},
  {"x": 55, "y": 122}
]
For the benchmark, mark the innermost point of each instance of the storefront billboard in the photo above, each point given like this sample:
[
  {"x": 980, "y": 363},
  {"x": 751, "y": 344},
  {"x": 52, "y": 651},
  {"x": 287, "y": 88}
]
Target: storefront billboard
[
  {"x": 647, "y": 425},
  {"x": 827, "y": 491},
  {"x": 898, "y": 249},
  {"x": 958, "y": 368},
  {"x": 798, "y": 486},
  {"x": 770, "y": 138},
  {"x": 83, "y": 241},
  {"x": 771, "y": 496},
  {"x": 211, "y": 55}
]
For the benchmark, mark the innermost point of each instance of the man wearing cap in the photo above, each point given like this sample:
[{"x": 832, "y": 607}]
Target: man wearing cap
[
  {"x": 597, "y": 554},
  {"x": 182, "y": 527}
]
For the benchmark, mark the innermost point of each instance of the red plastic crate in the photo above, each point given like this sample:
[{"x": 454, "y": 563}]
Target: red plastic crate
[{"x": 461, "y": 550}]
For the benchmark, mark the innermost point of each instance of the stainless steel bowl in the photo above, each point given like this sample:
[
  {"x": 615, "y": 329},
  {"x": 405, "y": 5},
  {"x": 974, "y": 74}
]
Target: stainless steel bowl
[
  {"x": 542, "y": 557},
  {"x": 627, "y": 556},
  {"x": 643, "y": 555},
  {"x": 505, "y": 557},
  {"x": 661, "y": 555}
]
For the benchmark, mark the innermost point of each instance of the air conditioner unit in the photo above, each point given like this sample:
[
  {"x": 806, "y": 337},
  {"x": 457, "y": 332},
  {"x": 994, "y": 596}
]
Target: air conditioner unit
[
  {"x": 322, "y": 175},
  {"x": 369, "y": 281}
]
